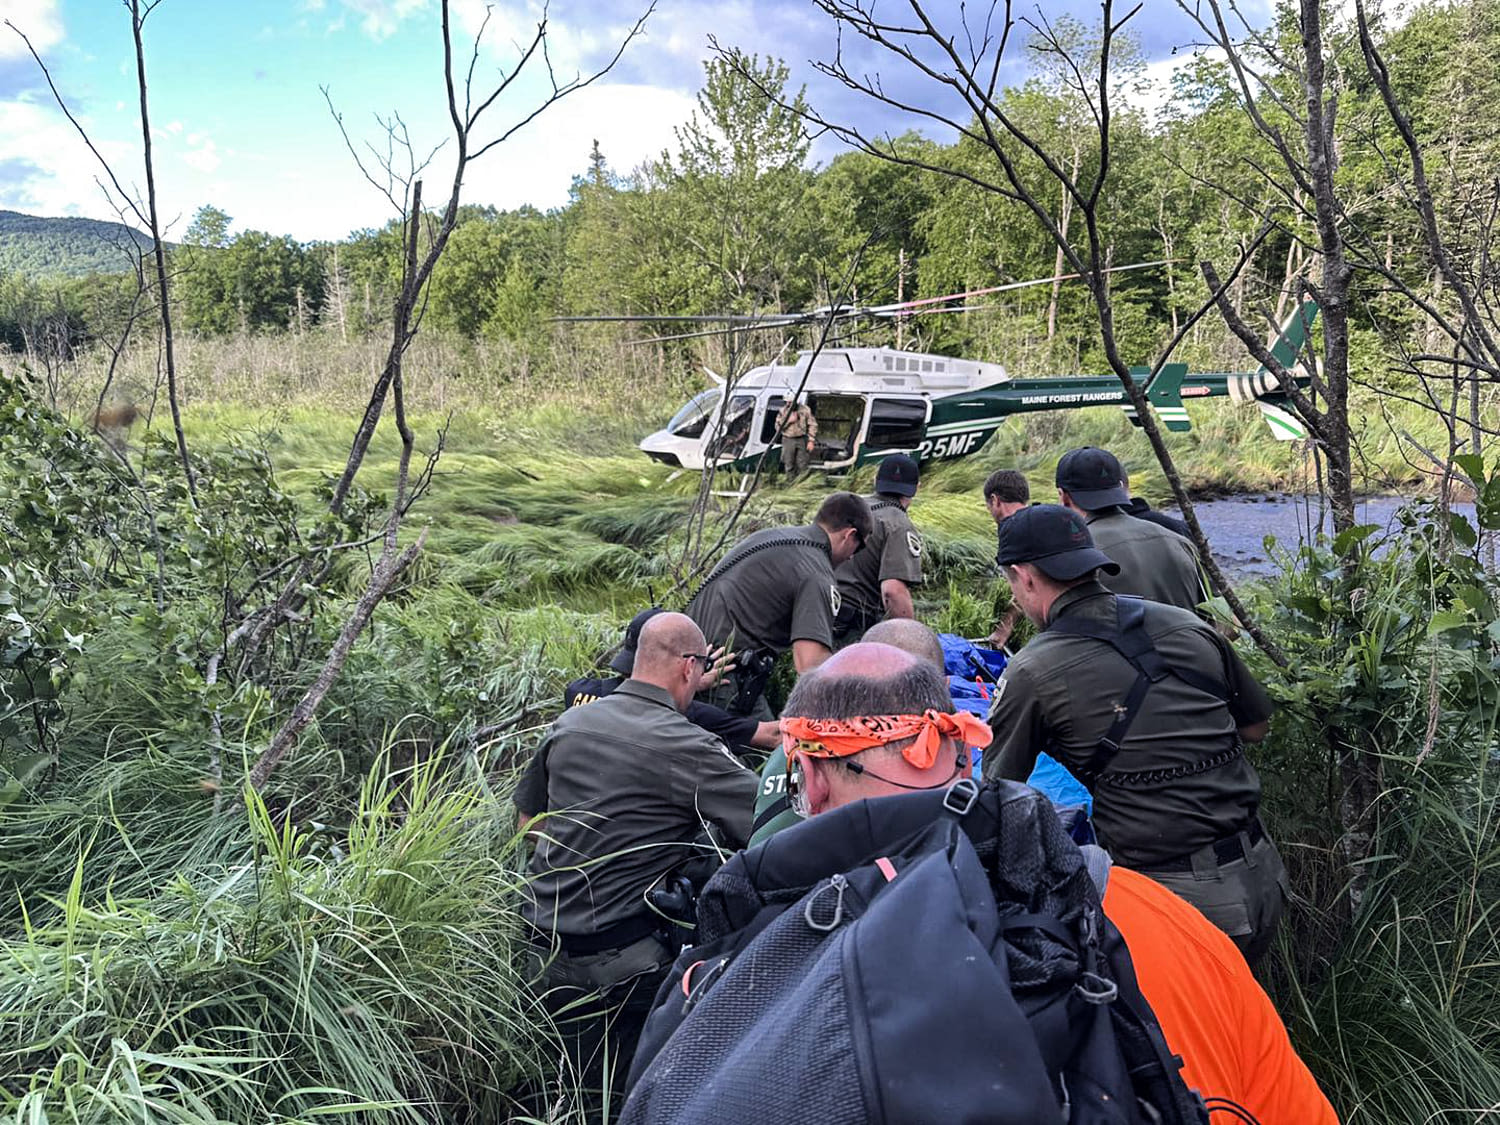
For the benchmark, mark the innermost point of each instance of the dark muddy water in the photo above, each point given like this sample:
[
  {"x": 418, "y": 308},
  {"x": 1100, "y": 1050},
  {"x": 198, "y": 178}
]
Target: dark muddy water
[{"x": 1238, "y": 525}]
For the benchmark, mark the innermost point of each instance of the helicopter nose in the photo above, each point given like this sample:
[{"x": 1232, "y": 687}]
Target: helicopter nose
[{"x": 670, "y": 449}]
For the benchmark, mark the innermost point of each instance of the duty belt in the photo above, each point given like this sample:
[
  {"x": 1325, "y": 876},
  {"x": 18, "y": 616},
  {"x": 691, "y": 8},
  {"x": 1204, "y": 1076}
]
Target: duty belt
[
  {"x": 1228, "y": 850},
  {"x": 618, "y": 936}
]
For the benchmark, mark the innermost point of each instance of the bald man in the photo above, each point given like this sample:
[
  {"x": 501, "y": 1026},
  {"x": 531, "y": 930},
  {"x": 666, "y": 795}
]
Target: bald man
[
  {"x": 634, "y": 791},
  {"x": 773, "y": 809},
  {"x": 1212, "y": 1012},
  {"x": 909, "y": 635}
]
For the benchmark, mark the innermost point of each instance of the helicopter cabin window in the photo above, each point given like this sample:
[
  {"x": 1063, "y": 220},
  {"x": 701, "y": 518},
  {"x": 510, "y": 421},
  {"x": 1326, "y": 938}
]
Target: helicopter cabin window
[
  {"x": 690, "y": 421},
  {"x": 896, "y": 423},
  {"x": 738, "y": 416}
]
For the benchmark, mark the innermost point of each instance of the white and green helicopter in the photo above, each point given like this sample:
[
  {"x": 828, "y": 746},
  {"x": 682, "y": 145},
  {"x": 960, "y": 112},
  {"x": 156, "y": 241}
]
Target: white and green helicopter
[{"x": 872, "y": 402}]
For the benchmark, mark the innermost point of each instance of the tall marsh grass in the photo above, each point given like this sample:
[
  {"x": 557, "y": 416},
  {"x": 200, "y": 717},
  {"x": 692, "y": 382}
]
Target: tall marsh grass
[{"x": 294, "y": 974}]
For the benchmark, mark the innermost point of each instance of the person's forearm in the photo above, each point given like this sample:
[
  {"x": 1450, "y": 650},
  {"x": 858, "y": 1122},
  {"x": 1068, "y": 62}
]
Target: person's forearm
[
  {"x": 767, "y": 736},
  {"x": 807, "y": 655},
  {"x": 897, "y": 599}
]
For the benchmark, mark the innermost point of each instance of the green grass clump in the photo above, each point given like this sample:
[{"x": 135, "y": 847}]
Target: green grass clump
[{"x": 371, "y": 975}]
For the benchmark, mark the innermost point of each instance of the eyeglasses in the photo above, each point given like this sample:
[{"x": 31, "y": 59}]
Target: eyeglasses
[{"x": 704, "y": 659}]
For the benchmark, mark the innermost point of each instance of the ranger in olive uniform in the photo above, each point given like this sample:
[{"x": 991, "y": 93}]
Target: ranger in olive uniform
[
  {"x": 877, "y": 581},
  {"x": 1153, "y": 562},
  {"x": 735, "y": 731},
  {"x": 1144, "y": 511},
  {"x": 1150, "y": 708},
  {"x": 775, "y": 590},
  {"x": 799, "y": 435},
  {"x": 630, "y": 786}
]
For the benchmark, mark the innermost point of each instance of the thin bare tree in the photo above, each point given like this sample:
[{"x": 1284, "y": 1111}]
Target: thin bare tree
[
  {"x": 143, "y": 211},
  {"x": 395, "y": 171},
  {"x": 960, "y": 59}
]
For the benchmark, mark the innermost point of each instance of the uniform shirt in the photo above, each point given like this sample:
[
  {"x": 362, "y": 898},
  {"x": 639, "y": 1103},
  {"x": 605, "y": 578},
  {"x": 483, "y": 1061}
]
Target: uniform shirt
[
  {"x": 1154, "y": 563},
  {"x": 1144, "y": 511},
  {"x": 798, "y": 422},
  {"x": 1059, "y": 694},
  {"x": 773, "y": 808},
  {"x": 894, "y": 550},
  {"x": 629, "y": 779},
  {"x": 1213, "y": 1013},
  {"x": 773, "y": 588},
  {"x": 530, "y": 797}
]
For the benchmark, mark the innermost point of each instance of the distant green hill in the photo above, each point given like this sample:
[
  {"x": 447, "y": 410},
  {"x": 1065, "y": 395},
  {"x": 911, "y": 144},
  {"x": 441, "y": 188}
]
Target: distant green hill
[{"x": 40, "y": 247}]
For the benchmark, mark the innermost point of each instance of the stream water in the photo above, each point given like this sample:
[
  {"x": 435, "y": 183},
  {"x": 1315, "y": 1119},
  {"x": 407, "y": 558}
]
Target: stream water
[{"x": 1238, "y": 525}]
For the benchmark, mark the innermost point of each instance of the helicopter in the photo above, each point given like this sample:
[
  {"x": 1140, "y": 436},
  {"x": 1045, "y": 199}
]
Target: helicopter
[{"x": 871, "y": 402}]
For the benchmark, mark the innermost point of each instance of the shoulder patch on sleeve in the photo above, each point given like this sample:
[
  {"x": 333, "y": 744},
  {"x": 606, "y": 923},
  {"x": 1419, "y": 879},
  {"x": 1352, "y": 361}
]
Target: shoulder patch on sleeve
[
  {"x": 835, "y": 599},
  {"x": 914, "y": 543}
]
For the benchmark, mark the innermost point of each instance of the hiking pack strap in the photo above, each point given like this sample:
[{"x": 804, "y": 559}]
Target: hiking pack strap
[
  {"x": 1097, "y": 860},
  {"x": 1131, "y": 640},
  {"x": 770, "y": 813}
]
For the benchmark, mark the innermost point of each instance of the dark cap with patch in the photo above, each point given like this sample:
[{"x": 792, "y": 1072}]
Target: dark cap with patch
[
  {"x": 1092, "y": 478},
  {"x": 1054, "y": 540},
  {"x": 624, "y": 661},
  {"x": 898, "y": 474}
]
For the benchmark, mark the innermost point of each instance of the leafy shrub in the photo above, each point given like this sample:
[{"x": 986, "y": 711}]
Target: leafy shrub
[{"x": 1391, "y": 985}]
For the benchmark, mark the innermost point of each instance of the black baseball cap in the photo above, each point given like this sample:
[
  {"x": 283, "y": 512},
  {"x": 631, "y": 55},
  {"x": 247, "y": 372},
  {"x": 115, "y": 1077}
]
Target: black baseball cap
[
  {"x": 897, "y": 474},
  {"x": 1053, "y": 539},
  {"x": 624, "y": 661},
  {"x": 1092, "y": 477}
]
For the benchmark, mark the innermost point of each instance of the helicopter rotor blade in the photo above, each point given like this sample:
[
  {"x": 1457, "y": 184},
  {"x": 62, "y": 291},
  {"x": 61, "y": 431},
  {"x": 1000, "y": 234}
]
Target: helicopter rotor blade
[
  {"x": 715, "y": 318},
  {"x": 726, "y": 330},
  {"x": 899, "y": 308},
  {"x": 736, "y": 322}
]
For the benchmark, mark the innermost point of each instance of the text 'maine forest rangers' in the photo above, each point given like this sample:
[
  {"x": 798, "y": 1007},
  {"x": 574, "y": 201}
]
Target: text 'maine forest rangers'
[
  {"x": 876, "y": 583},
  {"x": 775, "y": 590},
  {"x": 1150, "y": 708}
]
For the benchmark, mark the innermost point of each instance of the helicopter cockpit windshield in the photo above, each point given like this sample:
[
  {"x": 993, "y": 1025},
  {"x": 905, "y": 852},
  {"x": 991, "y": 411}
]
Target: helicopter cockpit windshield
[{"x": 689, "y": 422}]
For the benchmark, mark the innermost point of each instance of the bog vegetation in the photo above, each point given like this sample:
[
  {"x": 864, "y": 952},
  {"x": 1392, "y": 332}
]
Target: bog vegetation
[{"x": 187, "y": 939}]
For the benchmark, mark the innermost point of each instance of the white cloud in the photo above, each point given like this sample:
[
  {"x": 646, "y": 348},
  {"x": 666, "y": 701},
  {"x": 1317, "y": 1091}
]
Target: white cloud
[
  {"x": 536, "y": 166},
  {"x": 379, "y": 19},
  {"x": 632, "y": 124},
  {"x": 62, "y": 169},
  {"x": 204, "y": 157},
  {"x": 39, "y": 19}
]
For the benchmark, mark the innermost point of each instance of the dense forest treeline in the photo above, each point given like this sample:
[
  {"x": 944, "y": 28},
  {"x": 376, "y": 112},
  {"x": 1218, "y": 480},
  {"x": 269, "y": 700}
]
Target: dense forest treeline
[
  {"x": 733, "y": 219},
  {"x": 35, "y": 247}
]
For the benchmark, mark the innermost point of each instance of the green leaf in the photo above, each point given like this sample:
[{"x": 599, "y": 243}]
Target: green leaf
[
  {"x": 1463, "y": 531},
  {"x": 1446, "y": 620},
  {"x": 1349, "y": 537},
  {"x": 1473, "y": 466}
]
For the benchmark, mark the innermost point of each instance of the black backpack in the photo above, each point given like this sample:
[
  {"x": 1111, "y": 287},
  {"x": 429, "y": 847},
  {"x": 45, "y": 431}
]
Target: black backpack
[{"x": 934, "y": 957}]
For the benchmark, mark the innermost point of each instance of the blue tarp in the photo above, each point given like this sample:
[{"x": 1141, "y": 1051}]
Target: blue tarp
[{"x": 969, "y": 667}]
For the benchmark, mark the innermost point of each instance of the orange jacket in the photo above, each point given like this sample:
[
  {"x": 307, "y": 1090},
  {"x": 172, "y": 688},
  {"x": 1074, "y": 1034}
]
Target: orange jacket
[{"x": 1212, "y": 1010}]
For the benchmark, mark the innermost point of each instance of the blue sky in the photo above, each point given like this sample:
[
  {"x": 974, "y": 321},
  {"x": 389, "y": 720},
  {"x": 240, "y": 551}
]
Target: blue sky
[{"x": 239, "y": 120}]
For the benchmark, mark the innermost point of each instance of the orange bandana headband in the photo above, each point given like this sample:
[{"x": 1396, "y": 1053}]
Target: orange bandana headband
[{"x": 839, "y": 738}]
